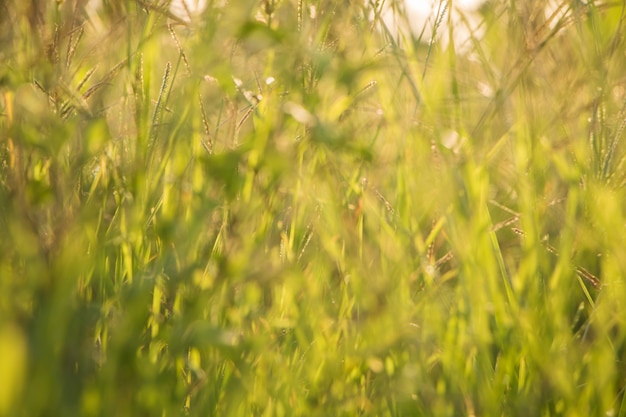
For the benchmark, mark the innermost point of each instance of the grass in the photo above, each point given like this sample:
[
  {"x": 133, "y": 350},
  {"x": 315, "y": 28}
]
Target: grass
[{"x": 280, "y": 210}]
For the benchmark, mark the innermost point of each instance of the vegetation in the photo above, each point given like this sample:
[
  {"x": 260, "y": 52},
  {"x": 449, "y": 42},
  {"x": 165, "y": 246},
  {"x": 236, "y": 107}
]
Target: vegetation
[{"x": 278, "y": 209}]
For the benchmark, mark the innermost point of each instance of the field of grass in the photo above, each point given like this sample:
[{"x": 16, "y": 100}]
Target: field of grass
[{"x": 278, "y": 209}]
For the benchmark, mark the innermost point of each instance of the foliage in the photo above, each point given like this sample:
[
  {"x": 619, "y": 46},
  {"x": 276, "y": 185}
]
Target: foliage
[{"x": 280, "y": 209}]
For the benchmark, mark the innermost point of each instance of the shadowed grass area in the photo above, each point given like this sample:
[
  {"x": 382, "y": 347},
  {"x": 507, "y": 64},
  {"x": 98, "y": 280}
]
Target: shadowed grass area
[{"x": 279, "y": 209}]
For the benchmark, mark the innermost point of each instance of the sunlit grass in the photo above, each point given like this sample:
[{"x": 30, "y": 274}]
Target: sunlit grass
[{"x": 280, "y": 209}]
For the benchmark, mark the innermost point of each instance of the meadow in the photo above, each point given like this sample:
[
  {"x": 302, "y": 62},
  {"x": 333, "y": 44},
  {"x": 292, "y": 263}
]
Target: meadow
[{"x": 288, "y": 208}]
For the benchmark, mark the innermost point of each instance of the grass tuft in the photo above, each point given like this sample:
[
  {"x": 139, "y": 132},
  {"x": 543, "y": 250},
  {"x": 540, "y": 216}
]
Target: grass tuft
[{"x": 288, "y": 208}]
